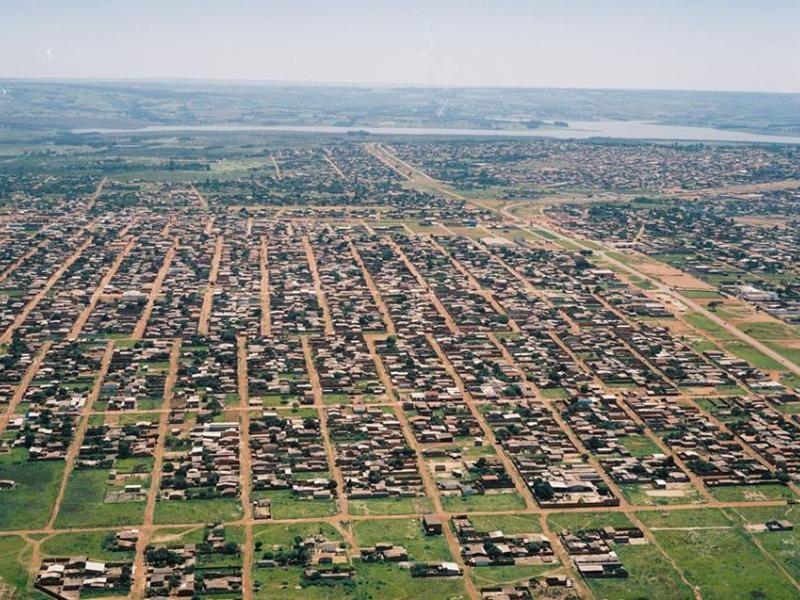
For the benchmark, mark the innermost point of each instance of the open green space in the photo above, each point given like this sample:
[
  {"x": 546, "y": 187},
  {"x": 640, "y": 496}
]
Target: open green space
[
  {"x": 721, "y": 561},
  {"x": 13, "y": 573},
  {"x": 390, "y": 506},
  {"x": 286, "y": 505},
  {"x": 483, "y": 502},
  {"x": 404, "y": 532},
  {"x": 212, "y": 510},
  {"x": 84, "y": 503},
  {"x": 83, "y": 543},
  {"x": 29, "y": 504}
]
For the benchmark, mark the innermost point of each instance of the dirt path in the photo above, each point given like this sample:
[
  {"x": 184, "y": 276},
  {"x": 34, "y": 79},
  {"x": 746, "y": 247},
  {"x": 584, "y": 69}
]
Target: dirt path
[
  {"x": 563, "y": 557},
  {"x": 373, "y": 289},
  {"x": 80, "y": 322},
  {"x": 80, "y": 433},
  {"x": 411, "y": 173},
  {"x": 94, "y": 197},
  {"x": 22, "y": 259},
  {"x": 427, "y": 480},
  {"x": 22, "y": 386},
  {"x": 245, "y": 467},
  {"x": 488, "y": 433},
  {"x": 23, "y": 314},
  {"x": 141, "y": 324},
  {"x": 333, "y": 165},
  {"x": 473, "y": 283},
  {"x": 624, "y": 507},
  {"x": 208, "y": 297},
  {"x": 323, "y": 302},
  {"x": 448, "y": 319},
  {"x": 266, "y": 318},
  {"x": 145, "y": 533},
  {"x": 330, "y": 453},
  {"x": 278, "y": 175},
  {"x": 201, "y": 200}
]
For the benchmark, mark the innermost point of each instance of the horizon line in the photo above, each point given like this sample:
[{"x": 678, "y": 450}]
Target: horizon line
[{"x": 356, "y": 84}]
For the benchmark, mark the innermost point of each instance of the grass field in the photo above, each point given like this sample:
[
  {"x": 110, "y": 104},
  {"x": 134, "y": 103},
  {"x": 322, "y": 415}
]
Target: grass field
[
  {"x": 510, "y": 524},
  {"x": 198, "y": 511},
  {"x": 485, "y": 502},
  {"x": 405, "y": 532},
  {"x": 501, "y": 575},
  {"x": 767, "y": 330},
  {"x": 29, "y": 505},
  {"x": 637, "y": 494},
  {"x": 640, "y": 445},
  {"x": 287, "y": 506},
  {"x": 750, "y": 493},
  {"x": 12, "y": 572},
  {"x": 84, "y": 506},
  {"x": 651, "y": 576},
  {"x": 721, "y": 562},
  {"x": 783, "y": 546},
  {"x": 371, "y": 582},
  {"x": 710, "y": 327},
  {"x": 390, "y": 506},
  {"x": 755, "y": 357},
  {"x": 707, "y": 517},
  {"x": 83, "y": 543}
]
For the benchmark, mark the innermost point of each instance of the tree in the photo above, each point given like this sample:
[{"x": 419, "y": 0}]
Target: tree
[{"x": 543, "y": 490}]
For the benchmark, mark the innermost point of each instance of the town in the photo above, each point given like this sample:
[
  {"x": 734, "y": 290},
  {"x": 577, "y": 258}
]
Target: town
[{"x": 340, "y": 368}]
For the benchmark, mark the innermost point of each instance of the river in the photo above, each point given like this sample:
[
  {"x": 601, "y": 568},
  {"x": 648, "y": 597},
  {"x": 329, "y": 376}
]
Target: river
[{"x": 628, "y": 130}]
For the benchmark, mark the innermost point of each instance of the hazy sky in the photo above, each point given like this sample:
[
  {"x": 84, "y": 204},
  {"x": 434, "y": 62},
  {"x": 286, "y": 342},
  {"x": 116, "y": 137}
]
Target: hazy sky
[{"x": 685, "y": 44}]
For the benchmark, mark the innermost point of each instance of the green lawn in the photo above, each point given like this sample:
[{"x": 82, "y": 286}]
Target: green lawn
[
  {"x": 506, "y": 574},
  {"x": 783, "y": 546},
  {"x": 29, "y": 505},
  {"x": 84, "y": 543},
  {"x": 213, "y": 510},
  {"x": 755, "y": 357},
  {"x": 792, "y": 354},
  {"x": 767, "y": 330},
  {"x": 707, "y": 517},
  {"x": 391, "y": 506},
  {"x": 651, "y": 577},
  {"x": 725, "y": 563},
  {"x": 404, "y": 532},
  {"x": 371, "y": 582},
  {"x": 701, "y": 294},
  {"x": 284, "y": 533},
  {"x": 737, "y": 493},
  {"x": 705, "y": 324},
  {"x": 12, "y": 572},
  {"x": 640, "y": 445},
  {"x": 553, "y": 393},
  {"x": 485, "y": 502},
  {"x": 287, "y": 506},
  {"x": 637, "y": 495},
  {"x": 509, "y": 524},
  {"x": 575, "y": 521},
  {"x": 84, "y": 503}
]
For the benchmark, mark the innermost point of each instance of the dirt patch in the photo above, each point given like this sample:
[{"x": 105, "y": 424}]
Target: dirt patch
[
  {"x": 8, "y": 593},
  {"x": 666, "y": 493}
]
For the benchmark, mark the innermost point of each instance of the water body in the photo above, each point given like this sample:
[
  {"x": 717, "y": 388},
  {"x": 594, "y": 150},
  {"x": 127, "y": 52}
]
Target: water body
[{"x": 628, "y": 130}]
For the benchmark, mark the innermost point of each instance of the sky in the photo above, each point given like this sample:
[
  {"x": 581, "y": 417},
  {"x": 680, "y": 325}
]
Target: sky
[{"x": 747, "y": 45}]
